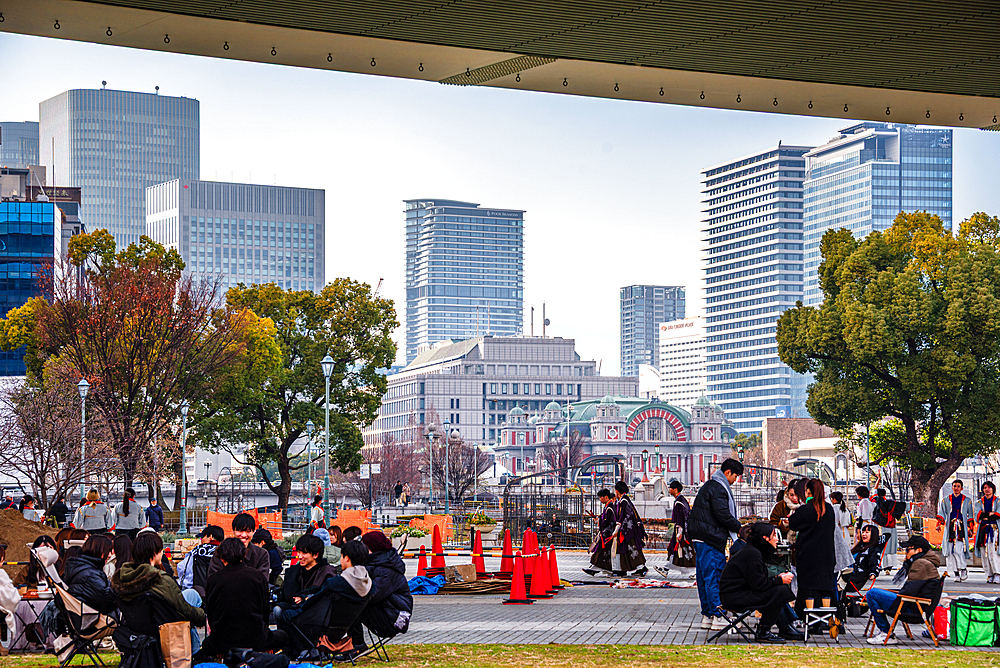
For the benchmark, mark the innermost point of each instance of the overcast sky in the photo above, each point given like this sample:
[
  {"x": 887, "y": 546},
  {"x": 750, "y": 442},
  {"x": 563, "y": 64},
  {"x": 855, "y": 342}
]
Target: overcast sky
[{"x": 611, "y": 188}]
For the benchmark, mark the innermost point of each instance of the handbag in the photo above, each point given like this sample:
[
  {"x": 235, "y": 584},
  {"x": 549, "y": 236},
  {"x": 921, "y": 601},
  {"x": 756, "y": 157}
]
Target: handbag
[{"x": 175, "y": 643}]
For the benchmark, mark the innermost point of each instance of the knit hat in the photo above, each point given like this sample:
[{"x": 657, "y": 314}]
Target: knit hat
[
  {"x": 323, "y": 535},
  {"x": 376, "y": 541}
]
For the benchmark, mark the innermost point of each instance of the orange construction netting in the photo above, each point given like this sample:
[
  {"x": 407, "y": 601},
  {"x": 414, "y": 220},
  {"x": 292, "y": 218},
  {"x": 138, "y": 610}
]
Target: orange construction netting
[{"x": 269, "y": 521}]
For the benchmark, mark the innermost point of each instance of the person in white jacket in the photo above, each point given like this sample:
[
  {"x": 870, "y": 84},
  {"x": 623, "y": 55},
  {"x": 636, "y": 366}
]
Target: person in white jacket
[
  {"x": 129, "y": 516},
  {"x": 94, "y": 516}
]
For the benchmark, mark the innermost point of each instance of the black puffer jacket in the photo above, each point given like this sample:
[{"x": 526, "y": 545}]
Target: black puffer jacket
[
  {"x": 389, "y": 585},
  {"x": 711, "y": 520},
  {"x": 86, "y": 580}
]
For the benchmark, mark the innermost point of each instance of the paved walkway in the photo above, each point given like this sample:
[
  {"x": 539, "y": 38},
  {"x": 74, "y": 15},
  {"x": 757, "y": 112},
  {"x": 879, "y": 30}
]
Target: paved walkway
[{"x": 593, "y": 613}]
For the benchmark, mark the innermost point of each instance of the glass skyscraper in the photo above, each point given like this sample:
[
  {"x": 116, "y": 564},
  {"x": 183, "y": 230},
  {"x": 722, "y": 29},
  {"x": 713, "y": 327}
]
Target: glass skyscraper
[
  {"x": 643, "y": 308},
  {"x": 464, "y": 272},
  {"x": 113, "y": 145},
  {"x": 242, "y": 233},
  {"x": 863, "y": 178},
  {"x": 18, "y": 144},
  {"x": 752, "y": 209}
]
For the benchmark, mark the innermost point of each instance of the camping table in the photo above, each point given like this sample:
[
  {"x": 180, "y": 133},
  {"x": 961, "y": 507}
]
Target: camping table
[
  {"x": 814, "y": 615},
  {"x": 25, "y": 615}
]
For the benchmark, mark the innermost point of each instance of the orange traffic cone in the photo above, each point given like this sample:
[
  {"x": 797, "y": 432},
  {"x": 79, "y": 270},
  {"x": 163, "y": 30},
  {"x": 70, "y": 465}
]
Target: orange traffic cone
[
  {"x": 507, "y": 558},
  {"x": 540, "y": 579},
  {"x": 554, "y": 578},
  {"x": 295, "y": 557},
  {"x": 548, "y": 555},
  {"x": 477, "y": 555},
  {"x": 437, "y": 556},
  {"x": 530, "y": 552},
  {"x": 422, "y": 562},
  {"x": 517, "y": 595}
]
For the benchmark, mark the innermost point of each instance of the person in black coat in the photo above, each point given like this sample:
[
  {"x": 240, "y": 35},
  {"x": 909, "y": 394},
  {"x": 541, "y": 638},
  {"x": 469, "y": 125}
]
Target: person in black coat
[
  {"x": 815, "y": 559},
  {"x": 745, "y": 584},
  {"x": 388, "y": 612},
  {"x": 867, "y": 556},
  {"x": 154, "y": 515},
  {"x": 59, "y": 510},
  {"x": 84, "y": 575},
  {"x": 309, "y": 573},
  {"x": 237, "y": 603}
]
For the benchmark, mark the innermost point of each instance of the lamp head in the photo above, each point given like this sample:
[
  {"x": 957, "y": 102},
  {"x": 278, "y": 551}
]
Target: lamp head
[
  {"x": 185, "y": 407},
  {"x": 309, "y": 428},
  {"x": 327, "y": 364},
  {"x": 83, "y": 386}
]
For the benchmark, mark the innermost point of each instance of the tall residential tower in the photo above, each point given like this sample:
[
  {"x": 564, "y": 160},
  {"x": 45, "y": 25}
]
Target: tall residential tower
[
  {"x": 753, "y": 273},
  {"x": 114, "y": 144},
  {"x": 464, "y": 272},
  {"x": 643, "y": 308},
  {"x": 861, "y": 179}
]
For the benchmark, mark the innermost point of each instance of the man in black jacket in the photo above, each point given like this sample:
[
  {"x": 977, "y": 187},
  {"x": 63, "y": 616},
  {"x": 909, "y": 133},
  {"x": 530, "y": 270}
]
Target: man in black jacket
[
  {"x": 154, "y": 514},
  {"x": 243, "y": 527},
  {"x": 309, "y": 573},
  {"x": 745, "y": 585},
  {"x": 237, "y": 605},
  {"x": 711, "y": 524},
  {"x": 391, "y": 603}
]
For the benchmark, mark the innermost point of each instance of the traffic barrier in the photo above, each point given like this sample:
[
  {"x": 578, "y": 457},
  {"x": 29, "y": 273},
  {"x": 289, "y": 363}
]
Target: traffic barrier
[
  {"x": 517, "y": 594},
  {"x": 422, "y": 563}
]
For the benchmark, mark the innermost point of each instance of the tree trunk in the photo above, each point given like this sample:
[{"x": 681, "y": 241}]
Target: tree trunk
[
  {"x": 927, "y": 483},
  {"x": 284, "y": 489}
]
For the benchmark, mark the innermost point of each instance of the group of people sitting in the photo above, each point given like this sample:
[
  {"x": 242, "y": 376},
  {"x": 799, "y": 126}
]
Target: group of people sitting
[
  {"x": 754, "y": 578},
  {"x": 234, "y": 588}
]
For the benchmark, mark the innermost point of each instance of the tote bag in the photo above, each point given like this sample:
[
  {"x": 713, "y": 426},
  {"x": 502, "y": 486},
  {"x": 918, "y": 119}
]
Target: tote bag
[{"x": 175, "y": 643}]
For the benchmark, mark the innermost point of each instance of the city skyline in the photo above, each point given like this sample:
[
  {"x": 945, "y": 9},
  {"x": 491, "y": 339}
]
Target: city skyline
[{"x": 596, "y": 175}]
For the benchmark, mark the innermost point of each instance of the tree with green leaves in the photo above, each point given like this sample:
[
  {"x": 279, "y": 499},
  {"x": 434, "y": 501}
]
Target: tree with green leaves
[
  {"x": 144, "y": 336},
  {"x": 909, "y": 329},
  {"x": 262, "y": 412}
]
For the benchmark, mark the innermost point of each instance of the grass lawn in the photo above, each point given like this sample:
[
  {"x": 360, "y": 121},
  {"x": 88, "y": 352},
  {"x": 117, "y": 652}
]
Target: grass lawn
[{"x": 615, "y": 656}]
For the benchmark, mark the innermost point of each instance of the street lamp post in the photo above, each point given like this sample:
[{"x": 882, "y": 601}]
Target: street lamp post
[
  {"x": 659, "y": 462},
  {"x": 447, "y": 468},
  {"x": 309, "y": 459},
  {"x": 83, "y": 386},
  {"x": 185, "y": 406},
  {"x": 645, "y": 465},
  {"x": 327, "y": 364},
  {"x": 431, "y": 435}
]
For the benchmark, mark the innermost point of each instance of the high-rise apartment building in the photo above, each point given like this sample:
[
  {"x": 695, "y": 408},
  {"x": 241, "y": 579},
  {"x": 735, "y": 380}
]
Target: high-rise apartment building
[
  {"x": 18, "y": 144},
  {"x": 242, "y": 233},
  {"x": 861, "y": 179},
  {"x": 113, "y": 145},
  {"x": 643, "y": 308},
  {"x": 464, "y": 272},
  {"x": 683, "y": 363},
  {"x": 753, "y": 208}
]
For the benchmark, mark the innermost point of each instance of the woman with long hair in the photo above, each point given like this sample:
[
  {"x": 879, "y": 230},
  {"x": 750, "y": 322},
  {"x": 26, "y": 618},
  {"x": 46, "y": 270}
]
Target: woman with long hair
[
  {"x": 814, "y": 524},
  {"x": 867, "y": 554},
  {"x": 94, "y": 516},
  {"x": 122, "y": 551},
  {"x": 128, "y": 516},
  {"x": 70, "y": 547},
  {"x": 31, "y": 574},
  {"x": 85, "y": 577}
]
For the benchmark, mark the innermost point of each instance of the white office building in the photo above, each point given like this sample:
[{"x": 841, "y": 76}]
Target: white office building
[{"x": 683, "y": 362}]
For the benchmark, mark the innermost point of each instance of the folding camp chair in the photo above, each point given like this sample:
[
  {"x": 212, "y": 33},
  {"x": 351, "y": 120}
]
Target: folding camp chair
[
  {"x": 924, "y": 613},
  {"x": 86, "y": 627},
  {"x": 332, "y": 616},
  {"x": 851, "y": 593},
  {"x": 734, "y": 622}
]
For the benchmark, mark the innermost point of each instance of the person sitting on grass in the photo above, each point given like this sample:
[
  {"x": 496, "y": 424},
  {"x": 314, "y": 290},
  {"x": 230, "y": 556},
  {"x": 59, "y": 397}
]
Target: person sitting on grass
[
  {"x": 237, "y": 600},
  {"x": 352, "y": 585},
  {"x": 745, "y": 584}
]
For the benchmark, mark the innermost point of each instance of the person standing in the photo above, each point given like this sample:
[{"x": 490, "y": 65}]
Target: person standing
[
  {"x": 317, "y": 518},
  {"x": 711, "y": 524},
  {"x": 607, "y": 525},
  {"x": 406, "y": 494},
  {"x": 397, "y": 492},
  {"x": 680, "y": 546},
  {"x": 814, "y": 524},
  {"x": 93, "y": 516},
  {"x": 631, "y": 533},
  {"x": 955, "y": 514},
  {"x": 988, "y": 534},
  {"x": 783, "y": 508},
  {"x": 865, "y": 510},
  {"x": 128, "y": 516},
  {"x": 59, "y": 510},
  {"x": 154, "y": 514}
]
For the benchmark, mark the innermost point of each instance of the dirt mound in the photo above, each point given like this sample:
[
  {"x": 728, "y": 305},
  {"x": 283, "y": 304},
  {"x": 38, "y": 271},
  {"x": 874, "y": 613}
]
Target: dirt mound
[{"x": 17, "y": 533}]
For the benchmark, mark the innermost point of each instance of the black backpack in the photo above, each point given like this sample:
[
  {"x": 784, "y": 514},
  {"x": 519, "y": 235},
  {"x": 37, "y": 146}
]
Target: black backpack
[
  {"x": 886, "y": 508},
  {"x": 138, "y": 650}
]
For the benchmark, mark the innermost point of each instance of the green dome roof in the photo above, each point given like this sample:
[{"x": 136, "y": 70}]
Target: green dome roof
[
  {"x": 702, "y": 401},
  {"x": 553, "y": 406},
  {"x": 516, "y": 410},
  {"x": 607, "y": 400}
]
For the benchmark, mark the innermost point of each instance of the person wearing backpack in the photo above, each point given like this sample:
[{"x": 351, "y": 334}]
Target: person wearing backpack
[
  {"x": 955, "y": 514},
  {"x": 885, "y": 514}
]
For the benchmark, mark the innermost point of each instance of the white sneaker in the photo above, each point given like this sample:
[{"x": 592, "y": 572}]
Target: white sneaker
[
  {"x": 706, "y": 622},
  {"x": 965, "y": 575},
  {"x": 879, "y": 639},
  {"x": 718, "y": 623}
]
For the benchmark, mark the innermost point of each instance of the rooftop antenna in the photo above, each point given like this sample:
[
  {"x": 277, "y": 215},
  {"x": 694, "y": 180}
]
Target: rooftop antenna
[
  {"x": 532, "y": 322},
  {"x": 104, "y": 85},
  {"x": 545, "y": 321},
  {"x": 157, "y": 90}
]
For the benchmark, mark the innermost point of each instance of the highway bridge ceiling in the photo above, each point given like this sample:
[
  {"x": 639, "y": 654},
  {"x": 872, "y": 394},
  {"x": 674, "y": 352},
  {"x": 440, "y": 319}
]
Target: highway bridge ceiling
[{"x": 912, "y": 61}]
